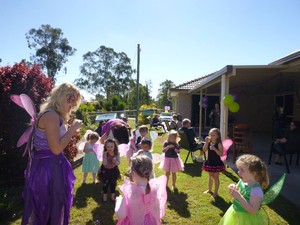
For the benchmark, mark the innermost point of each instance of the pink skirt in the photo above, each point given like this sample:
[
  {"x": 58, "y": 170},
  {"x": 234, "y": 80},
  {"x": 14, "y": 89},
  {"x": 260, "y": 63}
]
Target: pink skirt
[{"x": 171, "y": 165}]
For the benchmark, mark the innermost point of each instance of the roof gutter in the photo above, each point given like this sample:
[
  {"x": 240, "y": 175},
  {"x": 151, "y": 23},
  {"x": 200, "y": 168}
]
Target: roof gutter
[{"x": 213, "y": 79}]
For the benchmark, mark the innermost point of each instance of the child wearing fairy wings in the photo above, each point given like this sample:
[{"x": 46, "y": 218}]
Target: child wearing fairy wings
[
  {"x": 144, "y": 199},
  {"x": 248, "y": 193}
]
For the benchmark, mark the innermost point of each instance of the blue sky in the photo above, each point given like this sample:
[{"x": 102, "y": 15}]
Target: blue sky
[{"x": 180, "y": 40}]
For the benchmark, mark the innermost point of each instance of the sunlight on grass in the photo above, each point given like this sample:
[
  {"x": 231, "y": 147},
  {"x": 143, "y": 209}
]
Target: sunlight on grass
[{"x": 189, "y": 206}]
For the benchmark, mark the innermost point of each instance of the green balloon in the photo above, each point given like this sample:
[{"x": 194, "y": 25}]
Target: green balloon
[
  {"x": 228, "y": 99},
  {"x": 234, "y": 107}
]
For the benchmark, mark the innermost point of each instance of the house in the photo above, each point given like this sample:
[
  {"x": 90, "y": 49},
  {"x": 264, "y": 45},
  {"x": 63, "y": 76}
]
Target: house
[{"x": 259, "y": 89}]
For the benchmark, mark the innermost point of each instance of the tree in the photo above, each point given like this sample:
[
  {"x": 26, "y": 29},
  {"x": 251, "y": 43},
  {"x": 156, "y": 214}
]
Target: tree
[
  {"x": 105, "y": 71},
  {"x": 51, "y": 49},
  {"x": 145, "y": 95},
  {"x": 13, "y": 120},
  {"x": 163, "y": 93}
]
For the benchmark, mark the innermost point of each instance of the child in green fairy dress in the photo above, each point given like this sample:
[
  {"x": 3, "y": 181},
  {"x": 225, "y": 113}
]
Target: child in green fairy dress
[{"x": 248, "y": 193}]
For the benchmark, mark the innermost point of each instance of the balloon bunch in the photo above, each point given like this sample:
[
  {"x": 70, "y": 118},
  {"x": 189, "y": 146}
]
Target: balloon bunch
[
  {"x": 204, "y": 102},
  {"x": 233, "y": 106}
]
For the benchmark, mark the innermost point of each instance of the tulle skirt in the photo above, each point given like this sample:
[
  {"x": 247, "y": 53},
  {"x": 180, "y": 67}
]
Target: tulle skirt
[
  {"x": 48, "y": 192},
  {"x": 173, "y": 165},
  {"x": 233, "y": 217},
  {"x": 90, "y": 163}
]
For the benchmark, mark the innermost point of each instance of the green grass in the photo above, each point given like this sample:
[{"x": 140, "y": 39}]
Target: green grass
[{"x": 189, "y": 206}]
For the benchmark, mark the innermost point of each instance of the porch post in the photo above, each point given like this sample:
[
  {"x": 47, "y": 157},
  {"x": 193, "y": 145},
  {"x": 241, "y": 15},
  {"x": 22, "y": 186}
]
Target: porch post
[
  {"x": 223, "y": 107},
  {"x": 200, "y": 114}
]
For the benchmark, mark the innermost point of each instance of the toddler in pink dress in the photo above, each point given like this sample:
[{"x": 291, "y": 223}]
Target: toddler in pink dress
[{"x": 143, "y": 200}]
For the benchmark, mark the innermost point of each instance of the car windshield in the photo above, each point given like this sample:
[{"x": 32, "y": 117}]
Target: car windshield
[
  {"x": 108, "y": 116},
  {"x": 166, "y": 114}
]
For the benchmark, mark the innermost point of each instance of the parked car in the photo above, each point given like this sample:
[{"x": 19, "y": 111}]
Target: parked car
[
  {"x": 166, "y": 117},
  {"x": 109, "y": 116}
]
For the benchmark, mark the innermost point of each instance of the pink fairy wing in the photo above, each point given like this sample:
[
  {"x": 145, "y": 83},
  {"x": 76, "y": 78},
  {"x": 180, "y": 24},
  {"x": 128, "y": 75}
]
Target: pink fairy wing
[
  {"x": 226, "y": 145},
  {"x": 26, "y": 136},
  {"x": 28, "y": 105},
  {"x": 81, "y": 143},
  {"x": 16, "y": 99},
  {"x": 123, "y": 149},
  {"x": 98, "y": 149},
  {"x": 159, "y": 184},
  {"x": 80, "y": 146},
  {"x": 157, "y": 158}
]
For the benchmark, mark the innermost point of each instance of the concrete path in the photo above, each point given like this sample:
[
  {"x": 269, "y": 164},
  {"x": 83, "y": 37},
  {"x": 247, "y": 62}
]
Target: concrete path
[{"x": 291, "y": 188}]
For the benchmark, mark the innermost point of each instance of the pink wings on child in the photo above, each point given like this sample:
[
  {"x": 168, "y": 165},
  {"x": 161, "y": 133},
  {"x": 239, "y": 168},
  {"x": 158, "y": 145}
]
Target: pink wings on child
[
  {"x": 226, "y": 145},
  {"x": 135, "y": 207},
  {"x": 157, "y": 158},
  {"x": 97, "y": 148},
  {"x": 26, "y": 103}
]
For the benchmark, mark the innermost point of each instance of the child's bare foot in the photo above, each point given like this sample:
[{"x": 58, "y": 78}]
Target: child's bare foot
[
  {"x": 104, "y": 199},
  {"x": 113, "y": 198},
  {"x": 215, "y": 195},
  {"x": 208, "y": 192}
]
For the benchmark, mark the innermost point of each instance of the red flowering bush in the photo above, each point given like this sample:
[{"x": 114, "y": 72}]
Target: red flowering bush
[
  {"x": 17, "y": 79},
  {"x": 71, "y": 150}
]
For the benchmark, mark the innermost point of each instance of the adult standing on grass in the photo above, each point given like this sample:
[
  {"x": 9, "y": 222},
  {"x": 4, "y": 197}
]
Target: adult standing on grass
[{"x": 48, "y": 192}]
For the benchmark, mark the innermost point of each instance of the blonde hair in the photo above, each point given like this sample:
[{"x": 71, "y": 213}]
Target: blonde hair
[
  {"x": 257, "y": 167},
  {"x": 58, "y": 98},
  {"x": 92, "y": 136},
  {"x": 173, "y": 133},
  {"x": 143, "y": 167}
]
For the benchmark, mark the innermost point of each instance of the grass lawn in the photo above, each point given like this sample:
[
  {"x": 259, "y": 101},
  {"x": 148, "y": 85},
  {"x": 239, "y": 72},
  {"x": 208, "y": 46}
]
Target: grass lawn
[{"x": 189, "y": 206}]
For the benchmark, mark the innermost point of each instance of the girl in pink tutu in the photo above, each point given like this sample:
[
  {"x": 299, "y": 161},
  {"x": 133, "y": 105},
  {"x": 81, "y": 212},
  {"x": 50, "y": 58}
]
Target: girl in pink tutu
[
  {"x": 143, "y": 200},
  {"x": 172, "y": 162}
]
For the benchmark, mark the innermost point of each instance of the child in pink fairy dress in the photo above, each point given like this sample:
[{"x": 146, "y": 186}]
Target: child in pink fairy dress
[
  {"x": 143, "y": 200},
  {"x": 171, "y": 162}
]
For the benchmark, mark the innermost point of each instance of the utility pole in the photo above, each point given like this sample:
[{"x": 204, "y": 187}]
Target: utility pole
[{"x": 138, "y": 85}]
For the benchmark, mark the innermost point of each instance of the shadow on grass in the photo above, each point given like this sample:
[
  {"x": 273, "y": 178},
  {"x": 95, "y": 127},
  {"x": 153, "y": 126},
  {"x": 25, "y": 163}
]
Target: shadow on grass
[
  {"x": 193, "y": 169},
  {"x": 221, "y": 204},
  {"x": 231, "y": 175},
  {"x": 178, "y": 202},
  {"x": 104, "y": 210},
  {"x": 287, "y": 210},
  {"x": 11, "y": 204}
]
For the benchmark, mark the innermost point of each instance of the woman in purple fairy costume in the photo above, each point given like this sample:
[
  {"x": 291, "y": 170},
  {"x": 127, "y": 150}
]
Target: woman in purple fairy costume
[{"x": 48, "y": 192}]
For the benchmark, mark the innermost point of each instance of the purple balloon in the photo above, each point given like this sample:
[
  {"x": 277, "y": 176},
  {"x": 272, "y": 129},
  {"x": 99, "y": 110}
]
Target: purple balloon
[
  {"x": 235, "y": 97},
  {"x": 205, "y": 99},
  {"x": 204, "y": 105}
]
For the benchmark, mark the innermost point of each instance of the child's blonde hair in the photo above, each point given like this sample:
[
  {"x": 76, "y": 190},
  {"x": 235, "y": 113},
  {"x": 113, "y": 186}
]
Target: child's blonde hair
[
  {"x": 173, "y": 133},
  {"x": 92, "y": 136},
  {"x": 216, "y": 130},
  {"x": 143, "y": 166},
  {"x": 59, "y": 96},
  {"x": 257, "y": 167}
]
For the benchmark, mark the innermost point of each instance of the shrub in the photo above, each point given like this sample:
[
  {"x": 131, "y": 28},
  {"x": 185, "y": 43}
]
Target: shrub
[
  {"x": 17, "y": 79},
  {"x": 71, "y": 150}
]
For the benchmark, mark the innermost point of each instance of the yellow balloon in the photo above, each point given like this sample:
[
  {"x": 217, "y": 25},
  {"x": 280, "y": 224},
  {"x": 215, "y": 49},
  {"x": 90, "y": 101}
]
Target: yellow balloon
[{"x": 228, "y": 99}]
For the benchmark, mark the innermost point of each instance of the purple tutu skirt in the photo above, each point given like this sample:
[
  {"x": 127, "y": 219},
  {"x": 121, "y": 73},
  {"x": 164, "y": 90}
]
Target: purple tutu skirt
[
  {"x": 214, "y": 167},
  {"x": 48, "y": 192},
  {"x": 173, "y": 165}
]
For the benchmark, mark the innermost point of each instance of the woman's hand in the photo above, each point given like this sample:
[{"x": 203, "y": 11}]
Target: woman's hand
[{"x": 75, "y": 127}]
